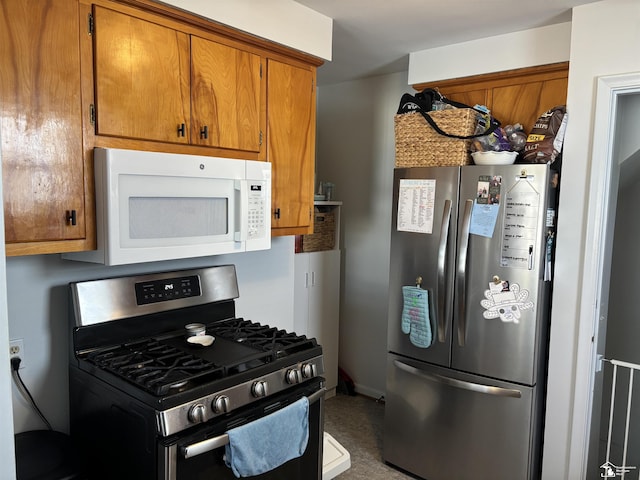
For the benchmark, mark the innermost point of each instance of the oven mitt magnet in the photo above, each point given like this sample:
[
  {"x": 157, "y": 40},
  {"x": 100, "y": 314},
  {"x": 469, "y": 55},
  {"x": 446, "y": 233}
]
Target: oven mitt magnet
[{"x": 415, "y": 316}]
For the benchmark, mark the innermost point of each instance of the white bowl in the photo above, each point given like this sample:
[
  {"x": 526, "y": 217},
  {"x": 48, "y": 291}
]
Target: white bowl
[{"x": 494, "y": 158}]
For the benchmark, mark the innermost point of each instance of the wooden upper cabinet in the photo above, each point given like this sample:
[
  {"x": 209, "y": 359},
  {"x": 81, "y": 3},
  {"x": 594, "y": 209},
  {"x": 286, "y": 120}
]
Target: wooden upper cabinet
[
  {"x": 225, "y": 96},
  {"x": 141, "y": 78},
  {"x": 40, "y": 113},
  {"x": 513, "y": 96},
  {"x": 291, "y": 137},
  {"x": 153, "y": 82}
]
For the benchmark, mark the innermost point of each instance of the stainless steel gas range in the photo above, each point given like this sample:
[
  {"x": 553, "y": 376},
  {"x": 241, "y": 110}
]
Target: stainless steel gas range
[{"x": 148, "y": 402}]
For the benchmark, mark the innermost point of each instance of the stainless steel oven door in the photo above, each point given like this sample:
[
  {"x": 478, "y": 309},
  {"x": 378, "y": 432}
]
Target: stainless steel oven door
[{"x": 199, "y": 455}]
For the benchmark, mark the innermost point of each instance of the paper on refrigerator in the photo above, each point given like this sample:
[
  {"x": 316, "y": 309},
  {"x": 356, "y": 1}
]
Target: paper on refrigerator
[{"x": 416, "y": 201}]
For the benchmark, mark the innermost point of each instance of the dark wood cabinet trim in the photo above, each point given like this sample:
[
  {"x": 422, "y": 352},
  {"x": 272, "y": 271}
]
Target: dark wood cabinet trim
[{"x": 499, "y": 79}]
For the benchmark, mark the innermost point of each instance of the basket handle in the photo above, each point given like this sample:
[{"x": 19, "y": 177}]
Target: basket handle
[
  {"x": 494, "y": 124},
  {"x": 423, "y": 102}
]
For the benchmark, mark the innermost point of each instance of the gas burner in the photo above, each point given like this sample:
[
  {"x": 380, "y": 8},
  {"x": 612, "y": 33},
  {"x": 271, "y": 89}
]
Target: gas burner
[
  {"x": 278, "y": 343},
  {"x": 158, "y": 367}
]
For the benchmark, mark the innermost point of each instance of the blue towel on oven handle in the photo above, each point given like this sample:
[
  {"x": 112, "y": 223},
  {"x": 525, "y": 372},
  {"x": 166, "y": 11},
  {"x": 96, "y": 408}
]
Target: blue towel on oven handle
[{"x": 270, "y": 441}]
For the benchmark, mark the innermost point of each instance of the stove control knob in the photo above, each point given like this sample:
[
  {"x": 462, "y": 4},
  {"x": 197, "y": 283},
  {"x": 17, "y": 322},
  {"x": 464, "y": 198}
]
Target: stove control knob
[
  {"x": 309, "y": 370},
  {"x": 292, "y": 376},
  {"x": 197, "y": 413},
  {"x": 220, "y": 404},
  {"x": 259, "y": 389}
]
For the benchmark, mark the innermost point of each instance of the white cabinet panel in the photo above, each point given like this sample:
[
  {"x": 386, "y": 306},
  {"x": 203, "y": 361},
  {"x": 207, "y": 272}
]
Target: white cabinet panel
[{"x": 317, "y": 304}]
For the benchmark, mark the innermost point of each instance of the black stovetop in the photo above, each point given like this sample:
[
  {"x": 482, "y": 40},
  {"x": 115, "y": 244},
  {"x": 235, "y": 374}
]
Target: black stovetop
[{"x": 168, "y": 364}]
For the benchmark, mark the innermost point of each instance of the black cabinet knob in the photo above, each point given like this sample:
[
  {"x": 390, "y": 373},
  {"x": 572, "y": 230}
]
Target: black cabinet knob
[{"x": 72, "y": 217}]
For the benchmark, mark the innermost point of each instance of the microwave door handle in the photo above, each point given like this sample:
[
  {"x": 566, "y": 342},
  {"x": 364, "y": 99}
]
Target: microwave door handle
[{"x": 243, "y": 189}]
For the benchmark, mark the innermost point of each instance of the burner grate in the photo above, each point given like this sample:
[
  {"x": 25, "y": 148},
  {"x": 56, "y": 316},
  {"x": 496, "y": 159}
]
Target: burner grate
[
  {"x": 166, "y": 365},
  {"x": 278, "y": 343},
  {"x": 157, "y": 367}
]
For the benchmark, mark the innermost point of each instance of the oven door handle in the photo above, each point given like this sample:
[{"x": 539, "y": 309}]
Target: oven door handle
[{"x": 204, "y": 446}]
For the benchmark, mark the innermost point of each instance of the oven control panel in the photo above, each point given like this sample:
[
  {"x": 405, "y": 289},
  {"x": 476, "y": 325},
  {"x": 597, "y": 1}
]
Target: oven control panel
[
  {"x": 203, "y": 409},
  {"x": 155, "y": 291}
]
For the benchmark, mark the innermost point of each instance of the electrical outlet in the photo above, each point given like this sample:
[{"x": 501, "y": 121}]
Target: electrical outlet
[{"x": 16, "y": 349}]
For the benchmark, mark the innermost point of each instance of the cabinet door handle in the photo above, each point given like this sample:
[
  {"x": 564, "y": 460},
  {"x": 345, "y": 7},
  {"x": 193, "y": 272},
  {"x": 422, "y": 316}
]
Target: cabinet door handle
[
  {"x": 276, "y": 213},
  {"x": 182, "y": 130},
  {"x": 204, "y": 132},
  {"x": 72, "y": 217}
]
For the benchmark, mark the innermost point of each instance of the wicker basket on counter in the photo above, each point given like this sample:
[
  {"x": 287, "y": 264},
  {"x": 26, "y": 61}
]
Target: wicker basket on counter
[
  {"x": 324, "y": 233},
  {"x": 419, "y": 145}
]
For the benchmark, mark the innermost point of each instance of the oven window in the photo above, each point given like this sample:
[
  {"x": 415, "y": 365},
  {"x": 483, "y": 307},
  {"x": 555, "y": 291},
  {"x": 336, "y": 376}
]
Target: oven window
[{"x": 190, "y": 217}]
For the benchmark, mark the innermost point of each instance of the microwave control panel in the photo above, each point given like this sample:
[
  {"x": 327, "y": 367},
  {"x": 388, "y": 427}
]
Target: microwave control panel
[{"x": 257, "y": 213}]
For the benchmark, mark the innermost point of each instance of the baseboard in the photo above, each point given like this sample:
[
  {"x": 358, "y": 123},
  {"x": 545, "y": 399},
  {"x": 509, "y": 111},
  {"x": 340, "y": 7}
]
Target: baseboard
[
  {"x": 330, "y": 392},
  {"x": 368, "y": 392}
]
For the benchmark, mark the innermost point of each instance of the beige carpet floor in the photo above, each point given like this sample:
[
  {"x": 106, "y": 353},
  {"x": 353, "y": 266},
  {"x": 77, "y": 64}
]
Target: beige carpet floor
[{"x": 357, "y": 423}]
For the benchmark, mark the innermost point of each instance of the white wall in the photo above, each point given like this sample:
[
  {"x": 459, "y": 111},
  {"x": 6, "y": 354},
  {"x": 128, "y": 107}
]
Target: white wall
[
  {"x": 537, "y": 46},
  {"x": 627, "y": 126},
  {"x": 614, "y": 50},
  {"x": 282, "y": 21},
  {"x": 355, "y": 145},
  {"x": 623, "y": 329}
]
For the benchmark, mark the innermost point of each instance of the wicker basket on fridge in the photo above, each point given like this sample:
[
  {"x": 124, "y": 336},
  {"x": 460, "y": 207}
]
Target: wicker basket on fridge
[{"x": 419, "y": 145}]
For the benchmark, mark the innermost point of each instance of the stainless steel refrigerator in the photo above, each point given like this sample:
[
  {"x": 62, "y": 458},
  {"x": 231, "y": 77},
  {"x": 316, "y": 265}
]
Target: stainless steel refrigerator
[{"x": 470, "y": 278}]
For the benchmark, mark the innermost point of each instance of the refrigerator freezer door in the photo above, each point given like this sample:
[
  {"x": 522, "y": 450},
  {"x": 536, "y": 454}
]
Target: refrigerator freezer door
[
  {"x": 501, "y": 299},
  {"x": 423, "y": 233},
  {"x": 444, "y": 425}
]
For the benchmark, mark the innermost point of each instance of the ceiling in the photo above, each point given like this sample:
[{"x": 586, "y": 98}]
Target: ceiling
[{"x": 375, "y": 37}]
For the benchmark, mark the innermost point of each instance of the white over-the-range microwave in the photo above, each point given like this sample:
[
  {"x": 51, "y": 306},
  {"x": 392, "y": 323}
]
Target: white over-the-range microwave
[{"x": 154, "y": 206}]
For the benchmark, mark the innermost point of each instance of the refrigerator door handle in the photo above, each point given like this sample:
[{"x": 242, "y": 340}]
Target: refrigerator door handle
[
  {"x": 453, "y": 382},
  {"x": 444, "y": 312},
  {"x": 461, "y": 273}
]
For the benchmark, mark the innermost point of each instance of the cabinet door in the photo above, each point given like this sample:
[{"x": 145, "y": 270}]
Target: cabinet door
[
  {"x": 316, "y": 306},
  {"x": 291, "y": 135},
  {"x": 301, "y": 285},
  {"x": 141, "y": 78},
  {"x": 42, "y": 157},
  {"x": 471, "y": 97},
  {"x": 528, "y": 100},
  {"x": 324, "y": 308},
  {"x": 225, "y": 96},
  {"x": 513, "y": 96}
]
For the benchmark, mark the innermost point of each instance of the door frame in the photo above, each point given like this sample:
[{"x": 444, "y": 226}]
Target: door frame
[{"x": 596, "y": 265}]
